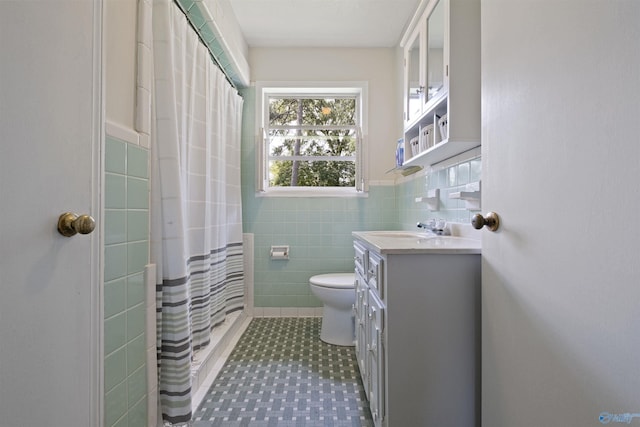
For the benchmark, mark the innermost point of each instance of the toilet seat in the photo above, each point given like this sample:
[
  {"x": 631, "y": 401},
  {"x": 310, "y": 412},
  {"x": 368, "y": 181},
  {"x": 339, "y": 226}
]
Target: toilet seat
[{"x": 334, "y": 280}]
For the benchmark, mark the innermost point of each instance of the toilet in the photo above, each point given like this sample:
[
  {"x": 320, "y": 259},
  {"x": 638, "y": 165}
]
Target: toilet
[{"x": 337, "y": 293}]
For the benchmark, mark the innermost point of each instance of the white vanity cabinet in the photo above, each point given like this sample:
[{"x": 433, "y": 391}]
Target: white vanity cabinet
[
  {"x": 369, "y": 320},
  {"x": 421, "y": 335},
  {"x": 441, "y": 81}
]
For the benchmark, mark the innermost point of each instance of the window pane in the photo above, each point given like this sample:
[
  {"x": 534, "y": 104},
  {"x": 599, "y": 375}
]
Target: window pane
[
  {"x": 312, "y": 138},
  {"x": 283, "y": 111},
  {"x": 289, "y": 173},
  {"x": 319, "y": 142},
  {"x": 312, "y": 111}
]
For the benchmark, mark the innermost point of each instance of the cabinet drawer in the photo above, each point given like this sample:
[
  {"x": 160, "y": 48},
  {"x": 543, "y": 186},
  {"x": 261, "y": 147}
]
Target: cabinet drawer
[
  {"x": 360, "y": 259},
  {"x": 375, "y": 274}
]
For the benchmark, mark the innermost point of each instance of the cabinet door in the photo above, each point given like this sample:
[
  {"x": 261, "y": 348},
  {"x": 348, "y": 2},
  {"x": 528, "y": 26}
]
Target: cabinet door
[
  {"x": 435, "y": 59},
  {"x": 413, "y": 76},
  {"x": 361, "y": 313},
  {"x": 375, "y": 356}
]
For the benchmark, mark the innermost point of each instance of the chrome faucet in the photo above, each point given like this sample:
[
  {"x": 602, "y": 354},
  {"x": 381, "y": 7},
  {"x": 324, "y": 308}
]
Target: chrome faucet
[{"x": 437, "y": 227}]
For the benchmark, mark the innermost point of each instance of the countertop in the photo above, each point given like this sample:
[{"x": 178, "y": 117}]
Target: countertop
[{"x": 410, "y": 242}]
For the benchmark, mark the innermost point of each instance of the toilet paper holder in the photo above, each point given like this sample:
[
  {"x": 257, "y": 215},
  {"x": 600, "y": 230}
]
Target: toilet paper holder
[{"x": 280, "y": 252}]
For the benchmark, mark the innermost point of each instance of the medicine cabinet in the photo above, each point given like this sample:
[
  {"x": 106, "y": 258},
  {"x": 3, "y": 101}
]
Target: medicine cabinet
[{"x": 441, "y": 81}]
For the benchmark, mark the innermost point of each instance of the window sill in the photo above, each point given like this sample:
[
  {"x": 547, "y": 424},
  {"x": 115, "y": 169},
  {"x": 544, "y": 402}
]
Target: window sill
[{"x": 311, "y": 192}]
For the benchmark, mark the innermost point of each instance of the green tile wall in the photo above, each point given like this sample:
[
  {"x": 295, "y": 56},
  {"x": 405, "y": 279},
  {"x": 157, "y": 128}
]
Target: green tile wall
[
  {"x": 318, "y": 230},
  {"x": 126, "y": 254},
  {"x": 449, "y": 179}
]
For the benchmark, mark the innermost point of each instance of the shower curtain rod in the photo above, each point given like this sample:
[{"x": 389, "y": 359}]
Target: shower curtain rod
[{"x": 211, "y": 54}]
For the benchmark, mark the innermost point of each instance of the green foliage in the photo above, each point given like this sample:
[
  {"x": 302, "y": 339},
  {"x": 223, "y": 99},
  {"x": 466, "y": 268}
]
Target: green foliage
[
  {"x": 318, "y": 142},
  {"x": 314, "y": 174}
]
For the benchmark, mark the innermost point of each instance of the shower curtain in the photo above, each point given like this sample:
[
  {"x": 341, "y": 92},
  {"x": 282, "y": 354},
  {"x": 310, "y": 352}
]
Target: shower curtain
[{"x": 196, "y": 214}]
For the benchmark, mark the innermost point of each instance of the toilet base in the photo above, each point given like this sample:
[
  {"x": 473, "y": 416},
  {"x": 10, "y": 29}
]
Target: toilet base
[{"x": 334, "y": 330}]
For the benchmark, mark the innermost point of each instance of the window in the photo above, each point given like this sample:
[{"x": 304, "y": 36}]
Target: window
[{"x": 312, "y": 140}]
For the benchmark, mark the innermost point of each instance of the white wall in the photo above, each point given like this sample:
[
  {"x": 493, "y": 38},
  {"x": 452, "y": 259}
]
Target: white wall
[
  {"x": 120, "y": 61},
  {"x": 377, "y": 66}
]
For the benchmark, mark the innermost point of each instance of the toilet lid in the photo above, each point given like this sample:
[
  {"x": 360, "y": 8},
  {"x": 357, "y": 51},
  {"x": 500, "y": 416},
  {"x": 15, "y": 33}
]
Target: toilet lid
[{"x": 334, "y": 280}]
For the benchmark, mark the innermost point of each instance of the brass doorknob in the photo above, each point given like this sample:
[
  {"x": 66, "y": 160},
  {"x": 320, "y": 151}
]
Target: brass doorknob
[
  {"x": 492, "y": 221},
  {"x": 69, "y": 224}
]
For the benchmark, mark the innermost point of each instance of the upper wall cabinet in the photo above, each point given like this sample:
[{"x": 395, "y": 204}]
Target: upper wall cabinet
[{"x": 441, "y": 81}]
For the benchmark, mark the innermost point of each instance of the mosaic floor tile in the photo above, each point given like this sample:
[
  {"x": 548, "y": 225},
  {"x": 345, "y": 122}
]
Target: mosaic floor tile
[{"x": 280, "y": 374}]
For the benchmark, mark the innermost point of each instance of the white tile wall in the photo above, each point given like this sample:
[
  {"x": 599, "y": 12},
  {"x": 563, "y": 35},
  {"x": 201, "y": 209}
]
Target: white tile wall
[{"x": 144, "y": 77}]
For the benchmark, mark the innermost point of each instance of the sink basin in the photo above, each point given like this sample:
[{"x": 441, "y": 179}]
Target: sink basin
[
  {"x": 401, "y": 234},
  {"x": 450, "y": 241}
]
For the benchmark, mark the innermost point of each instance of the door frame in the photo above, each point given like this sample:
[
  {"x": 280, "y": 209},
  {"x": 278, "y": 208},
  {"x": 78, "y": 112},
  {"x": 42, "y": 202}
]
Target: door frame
[{"x": 96, "y": 309}]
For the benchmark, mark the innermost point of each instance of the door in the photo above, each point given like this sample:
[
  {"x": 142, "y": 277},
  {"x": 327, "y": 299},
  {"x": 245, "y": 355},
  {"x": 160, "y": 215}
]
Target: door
[
  {"x": 561, "y": 166},
  {"x": 50, "y": 120}
]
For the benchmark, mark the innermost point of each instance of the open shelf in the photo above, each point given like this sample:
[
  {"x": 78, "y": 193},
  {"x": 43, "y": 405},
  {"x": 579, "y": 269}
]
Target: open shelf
[{"x": 441, "y": 151}]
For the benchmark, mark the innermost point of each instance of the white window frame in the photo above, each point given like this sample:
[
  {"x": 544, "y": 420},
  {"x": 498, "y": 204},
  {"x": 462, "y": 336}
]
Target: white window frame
[{"x": 266, "y": 89}]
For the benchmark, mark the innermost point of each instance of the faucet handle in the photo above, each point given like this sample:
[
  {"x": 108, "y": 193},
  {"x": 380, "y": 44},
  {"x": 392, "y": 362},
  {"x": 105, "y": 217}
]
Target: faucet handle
[{"x": 429, "y": 225}]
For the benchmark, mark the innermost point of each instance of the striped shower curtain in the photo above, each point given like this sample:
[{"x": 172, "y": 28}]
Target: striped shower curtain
[{"x": 196, "y": 213}]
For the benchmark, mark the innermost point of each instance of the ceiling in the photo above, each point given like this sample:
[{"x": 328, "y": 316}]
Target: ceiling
[{"x": 323, "y": 23}]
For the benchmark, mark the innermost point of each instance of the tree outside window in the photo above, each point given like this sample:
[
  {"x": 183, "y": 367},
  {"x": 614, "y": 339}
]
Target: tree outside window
[{"x": 312, "y": 141}]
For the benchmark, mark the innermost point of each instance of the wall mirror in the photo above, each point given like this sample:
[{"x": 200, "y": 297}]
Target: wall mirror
[
  {"x": 435, "y": 51},
  {"x": 413, "y": 87}
]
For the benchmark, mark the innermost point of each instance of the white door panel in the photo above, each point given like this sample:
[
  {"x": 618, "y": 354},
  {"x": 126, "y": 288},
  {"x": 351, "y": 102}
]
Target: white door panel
[
  {"x": 561, "y": 166},
  {"x": 50, "y": 122}
]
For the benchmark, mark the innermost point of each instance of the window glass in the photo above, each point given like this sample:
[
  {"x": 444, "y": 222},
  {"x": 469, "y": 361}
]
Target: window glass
[{"x": 311, "y": 140}]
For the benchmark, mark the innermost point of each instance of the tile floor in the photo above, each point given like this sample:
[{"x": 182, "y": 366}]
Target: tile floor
[{"x": 280, "y": 374}]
